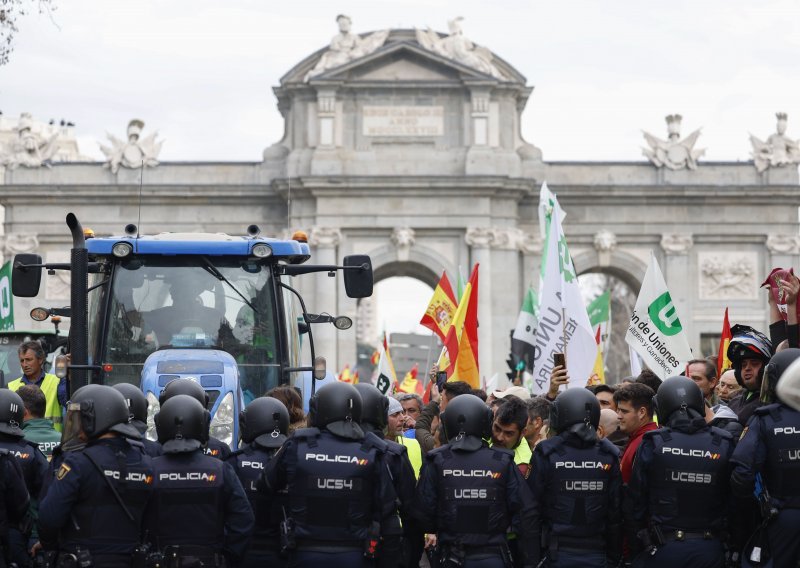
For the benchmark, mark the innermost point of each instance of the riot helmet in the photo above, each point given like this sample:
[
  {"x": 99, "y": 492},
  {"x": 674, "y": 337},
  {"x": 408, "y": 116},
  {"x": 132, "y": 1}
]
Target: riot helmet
[
  {"x": 788, "y": 389},
  {"x": 137, "y": 405},
  {"x": 184, "y": 386},
  {"x": 96, "y": 410},
  {"x": 336, "y": 407},
  {"x": 12, "y": 411},
  {"x": 679, "y": 395},
  {"x": 374, "y": 409},
  {"x": 182, "y": 424},
  {"x": 747, "y": 343},
  {"x": 773, "y": 372},
  {"x": 467, "y": 421},
  {"x": 265, "y": 422},
  {"x": 574, "y": 406}
]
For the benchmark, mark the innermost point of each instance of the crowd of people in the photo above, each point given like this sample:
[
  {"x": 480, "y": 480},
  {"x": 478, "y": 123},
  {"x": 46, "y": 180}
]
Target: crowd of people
[{"x": 697, "y": 470}]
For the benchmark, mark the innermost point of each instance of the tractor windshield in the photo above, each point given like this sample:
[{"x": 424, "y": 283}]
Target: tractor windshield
[{"x": 188, "y": 302}]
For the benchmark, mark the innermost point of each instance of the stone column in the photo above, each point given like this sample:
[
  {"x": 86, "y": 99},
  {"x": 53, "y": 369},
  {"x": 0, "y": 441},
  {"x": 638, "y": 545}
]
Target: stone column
[
  {"x": 480, "y": 239},
  {"x": 325, "y": 241},
  {"x": 680, "y": 278},
  {"x": 506, "y": 295},
  {"x": 531, "y": 246}
]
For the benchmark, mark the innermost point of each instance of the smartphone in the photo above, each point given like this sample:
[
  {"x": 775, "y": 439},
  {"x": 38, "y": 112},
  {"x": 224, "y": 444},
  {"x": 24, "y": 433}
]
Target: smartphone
[
  {"x": 441, "y": 379},
  {"x": 559, "y": 360}
]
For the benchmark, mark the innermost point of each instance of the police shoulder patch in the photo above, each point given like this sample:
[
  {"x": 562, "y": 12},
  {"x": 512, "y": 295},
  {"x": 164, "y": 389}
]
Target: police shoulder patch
[{"x": 63, "y": 471}]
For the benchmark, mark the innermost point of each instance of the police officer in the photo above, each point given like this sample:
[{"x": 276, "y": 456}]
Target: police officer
[
  {"x": 14, "y": 503},
  {"x": 199, "y": 515},
  {"x": 137, "y": 405},
  {"x": 679, "y": 485},
  {"x": 213, "y": 447},
  {"x": 577, "y": 486},
  {"x": 470, "y": 494},
  {"x": 31, "y": 460},
  {"x": 92, "y": 512},
  {"x": 264, "y": 425},
  {"x": 374, "y": 416},
  {"x": 767, "y": 460},
  {"x": 338, "y": 487}
]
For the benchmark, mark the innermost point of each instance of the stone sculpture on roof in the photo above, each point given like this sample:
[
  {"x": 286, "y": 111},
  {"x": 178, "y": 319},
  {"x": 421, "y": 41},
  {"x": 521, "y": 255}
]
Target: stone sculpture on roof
[
  {"x": 459, "y": 48},
  {"x": 673, "y": 153},
  {"x": 30, "y": 149},
  {"x": 135, "y": 153},
  {"x": 779, "y": 150},
  {"x": 346, "y": 46}
]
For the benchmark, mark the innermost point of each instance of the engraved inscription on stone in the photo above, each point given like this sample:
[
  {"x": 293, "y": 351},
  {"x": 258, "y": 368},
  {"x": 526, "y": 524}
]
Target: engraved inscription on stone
[
  {"x": 403, "y": 121},
  {"x": 728, "y": 275}
]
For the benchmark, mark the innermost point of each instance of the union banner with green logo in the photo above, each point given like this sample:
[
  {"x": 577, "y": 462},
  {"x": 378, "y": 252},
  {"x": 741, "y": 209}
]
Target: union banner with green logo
[
  {"x": 6, "y": 300},
  {"x": 655, "y": 331}
]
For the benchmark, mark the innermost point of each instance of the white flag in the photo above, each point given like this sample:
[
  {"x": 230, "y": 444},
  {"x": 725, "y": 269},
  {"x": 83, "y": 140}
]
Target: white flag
[
  {"x": 636, "y": 362},
  {"x": 655, "y": 331},
  {"x": 386, "y": 375},
  {"x": 563, "y": 325}
]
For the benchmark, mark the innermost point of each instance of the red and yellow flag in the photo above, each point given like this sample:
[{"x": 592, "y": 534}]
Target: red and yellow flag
[
  {"x": 723, "y": 363},
  {"x": 460, "y": 353},
  {"x": 347, "y": 376},
  {"x": 598, "y": 372},
  {"x": 410, "y": 382},
  {"x": 441, "y": 308}
]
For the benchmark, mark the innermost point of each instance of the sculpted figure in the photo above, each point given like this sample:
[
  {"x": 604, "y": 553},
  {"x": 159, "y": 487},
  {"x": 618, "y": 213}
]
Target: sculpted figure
[
  {"x": 30, "y": 150},
  {"x": 673, "y": 153},
  {"x": 779, "y": 150},
  {"x": 136, "y": 152},
  {"x": 346, "y": 46},
  {"x": 458, "y": 47}
]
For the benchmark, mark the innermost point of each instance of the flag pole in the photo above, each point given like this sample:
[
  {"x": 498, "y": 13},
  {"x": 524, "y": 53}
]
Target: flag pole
[{"x": 428, "y": 359}]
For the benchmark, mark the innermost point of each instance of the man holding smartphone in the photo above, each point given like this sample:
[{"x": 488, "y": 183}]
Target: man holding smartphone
[
  {"x": 439, "y": 400},
  {"x": 558, "y": 376}
]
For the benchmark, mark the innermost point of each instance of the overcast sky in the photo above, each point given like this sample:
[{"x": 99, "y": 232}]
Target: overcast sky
[{"x": 202, "y": 72}]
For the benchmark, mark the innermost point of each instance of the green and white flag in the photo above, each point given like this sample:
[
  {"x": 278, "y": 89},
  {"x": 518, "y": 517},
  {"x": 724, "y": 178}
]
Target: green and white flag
[
  {"x": 655, "y": 331},
  {"x": 563, "y": 325},
  {"x": 6, "y": 300},
  {"x": 600, "y": 316},
  {"x": 523, "y": 340}
]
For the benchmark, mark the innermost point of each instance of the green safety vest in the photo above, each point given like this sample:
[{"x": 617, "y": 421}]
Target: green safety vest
[
  {"x": 49, "y": 387},
  {"x": 414, "y": 452}
]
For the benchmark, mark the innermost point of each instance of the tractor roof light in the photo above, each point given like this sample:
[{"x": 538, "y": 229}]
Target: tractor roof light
[
  {"x": 121, "y": 250},
  {"x": 261, "y": 250}
]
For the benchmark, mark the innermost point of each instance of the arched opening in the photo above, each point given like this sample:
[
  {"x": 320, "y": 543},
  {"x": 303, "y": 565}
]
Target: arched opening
[
  {"x": 401, "y": 295},
  {"x": 616, "y": 356}
]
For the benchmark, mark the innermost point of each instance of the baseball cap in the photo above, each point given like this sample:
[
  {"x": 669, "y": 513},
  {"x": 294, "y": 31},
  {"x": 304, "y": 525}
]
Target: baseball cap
[{"x": 520, "y": 392}]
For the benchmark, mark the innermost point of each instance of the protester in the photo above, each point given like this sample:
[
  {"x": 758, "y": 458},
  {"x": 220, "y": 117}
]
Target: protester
[
  {"x": 749, "y": 351},
  {"x": 609, "y": 429},
  {"x": 727, "y": 387},
  {"x": 519, "y": 392},
  {"x": 704, "y": 374},
  {"x": 293, "y": 403},
  {"x": 32, "y": 362},
  {"x": 538, "y": 420},
  {"x": 438, "y": 404},
  {"x": 35, "y": 426},
  {"x": 605, "y": 396},
  {"x": 412, "y": 410},
  {"x": 508, "y": 430},
  {"x": 649, "y": 378},
  {"x": 635, "y": 412}
]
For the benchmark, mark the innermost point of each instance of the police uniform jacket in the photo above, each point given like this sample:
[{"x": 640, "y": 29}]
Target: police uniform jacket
[
  {"x": 31, "y": 459},
  {"x": 770, "y": 445},
  {"x": 250, "y": 462},
  {"x": 577, "y": 487},
  {"x": 474, "y": 497},
  {"x": 680, "y": 478},
  {"x": 198, "y": 501},
  {"x": 217, "y": 449},
  {"x": 15, "y": 500},
  {"x": 337, "y": 488},
  {"x": 80, "y": 510}
]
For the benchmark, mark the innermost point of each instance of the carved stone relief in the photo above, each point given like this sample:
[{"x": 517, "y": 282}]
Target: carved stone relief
[{"x": 730, "y": 275}]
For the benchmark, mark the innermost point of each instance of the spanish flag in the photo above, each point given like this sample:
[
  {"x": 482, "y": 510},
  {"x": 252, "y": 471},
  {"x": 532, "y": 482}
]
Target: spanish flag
[
  {"x": 410, "y": 382},
  {"x": 598, "y": 372},
  {"x": 346, "y": 376},
  {"x": 441, "y": 309},
  {"x": 723, "y": 363},
  {"x": 460, "y": 353}
]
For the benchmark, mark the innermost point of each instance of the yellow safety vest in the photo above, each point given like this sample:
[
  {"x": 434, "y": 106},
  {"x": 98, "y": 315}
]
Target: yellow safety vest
[
  {"x": 523, "y": 453},
  {"x": 49, "y": 387},
  {"x": 414, "y": 452}
]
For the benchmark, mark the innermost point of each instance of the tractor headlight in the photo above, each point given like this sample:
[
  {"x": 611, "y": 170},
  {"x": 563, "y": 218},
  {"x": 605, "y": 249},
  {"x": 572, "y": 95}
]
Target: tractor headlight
[
  {"x": 121, "y": 250},
  {"x": 222, "y": 423},
  {"x": 152, "y": 409},
  {"x": 261, "y": 250}
]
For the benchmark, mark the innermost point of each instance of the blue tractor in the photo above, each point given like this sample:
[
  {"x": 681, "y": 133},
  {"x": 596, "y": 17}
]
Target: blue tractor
[{"x": 215, "y": 308}]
